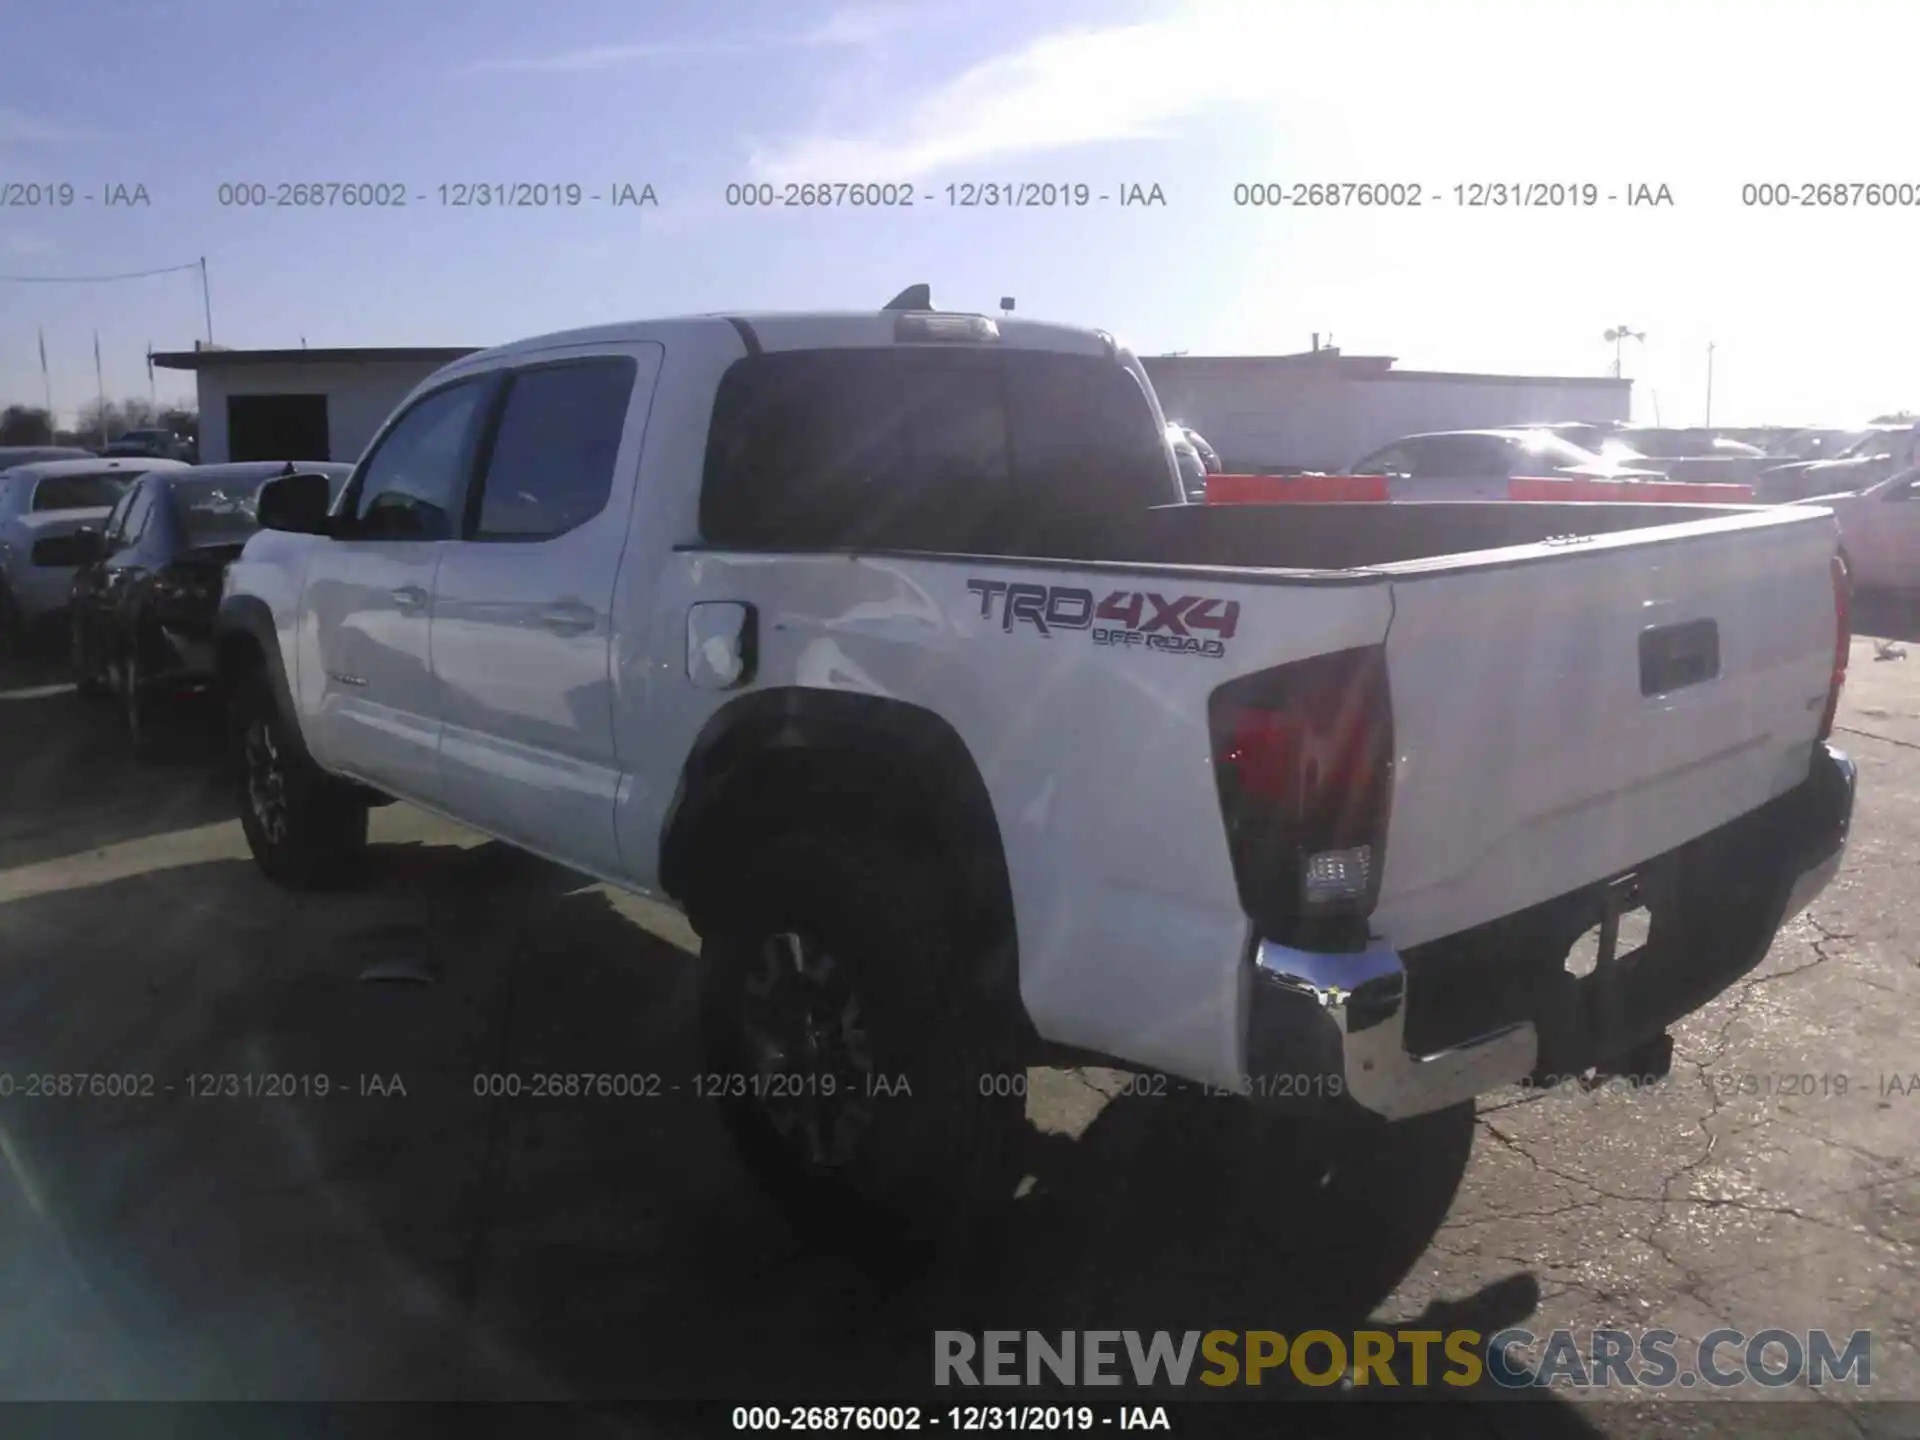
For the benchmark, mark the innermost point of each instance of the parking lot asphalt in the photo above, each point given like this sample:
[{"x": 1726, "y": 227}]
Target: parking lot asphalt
[{"x": 406, "y": 1236}]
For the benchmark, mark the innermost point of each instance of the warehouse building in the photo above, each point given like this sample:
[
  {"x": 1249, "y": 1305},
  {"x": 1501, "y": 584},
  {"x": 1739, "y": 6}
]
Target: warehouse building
[
  {"x": 299, "y": 404},
  {"x": 1318, "y": 410},
  {"x": 1322, "y": 410}
]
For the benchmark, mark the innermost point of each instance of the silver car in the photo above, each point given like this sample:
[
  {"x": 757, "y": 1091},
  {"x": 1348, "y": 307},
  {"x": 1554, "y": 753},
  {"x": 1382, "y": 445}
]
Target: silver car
[
  {"x": 41, "y": 506},
  {"x": 1482, "y": 464}
]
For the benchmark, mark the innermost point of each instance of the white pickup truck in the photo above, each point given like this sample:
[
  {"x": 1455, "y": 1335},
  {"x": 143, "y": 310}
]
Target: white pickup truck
[{"x": 883, "y": 645}]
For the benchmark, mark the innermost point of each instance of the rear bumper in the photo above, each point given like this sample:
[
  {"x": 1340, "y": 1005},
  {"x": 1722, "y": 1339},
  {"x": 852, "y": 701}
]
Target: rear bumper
[{"x": 1337, "y": 1024}]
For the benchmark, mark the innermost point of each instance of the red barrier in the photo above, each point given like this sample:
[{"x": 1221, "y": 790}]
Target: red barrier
[
  {"x": 1294, "y": 489},
  {"x": 1632, "y": 492}
]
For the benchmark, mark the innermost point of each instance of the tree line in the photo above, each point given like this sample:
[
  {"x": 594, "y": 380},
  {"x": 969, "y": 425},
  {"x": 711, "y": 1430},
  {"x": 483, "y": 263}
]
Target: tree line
[{"x": 98, "y": 422}]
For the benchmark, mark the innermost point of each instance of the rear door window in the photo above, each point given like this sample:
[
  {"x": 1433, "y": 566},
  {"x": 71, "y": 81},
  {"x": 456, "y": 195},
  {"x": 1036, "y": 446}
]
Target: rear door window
[
  {"x": 551, "y": 465},
  {"x": 1394, "y": 460},
  {"x": 1462, "y": 457}
]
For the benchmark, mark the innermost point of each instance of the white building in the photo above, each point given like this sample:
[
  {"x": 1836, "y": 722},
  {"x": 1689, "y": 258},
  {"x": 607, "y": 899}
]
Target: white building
[
  {"x": 299, "y": 404},
  {"x": 1322, "y": 410}
]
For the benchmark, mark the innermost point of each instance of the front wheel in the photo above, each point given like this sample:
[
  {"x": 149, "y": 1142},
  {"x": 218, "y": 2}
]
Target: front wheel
[
  {"x": 862, "y": 1064},
  {"x": 304, "y": 829}
]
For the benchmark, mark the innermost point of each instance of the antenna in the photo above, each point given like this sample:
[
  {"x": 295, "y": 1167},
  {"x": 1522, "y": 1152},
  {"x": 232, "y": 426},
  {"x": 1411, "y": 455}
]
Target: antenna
[{"x": 914, "y": 297}]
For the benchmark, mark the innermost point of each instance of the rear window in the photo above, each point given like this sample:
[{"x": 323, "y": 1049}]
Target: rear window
[
  {"x": 926, "y": 448},
  {"x": 215, "y": 512},
  {"x": 101, "y": 490}
]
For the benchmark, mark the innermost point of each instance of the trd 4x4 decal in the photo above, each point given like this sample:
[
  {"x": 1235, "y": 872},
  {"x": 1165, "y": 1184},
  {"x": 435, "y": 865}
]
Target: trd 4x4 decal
[{"x": 1184, "y": 624}]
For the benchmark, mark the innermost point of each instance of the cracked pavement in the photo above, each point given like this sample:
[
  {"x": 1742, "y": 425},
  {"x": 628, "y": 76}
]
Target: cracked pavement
[{"x": 441, "y": 1243}]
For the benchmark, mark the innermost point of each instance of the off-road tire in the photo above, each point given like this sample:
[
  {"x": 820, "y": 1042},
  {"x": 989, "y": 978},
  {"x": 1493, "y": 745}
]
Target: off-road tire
[
  {"x": 937, "y": 1153},
  {"x": 316, "y": 836}
]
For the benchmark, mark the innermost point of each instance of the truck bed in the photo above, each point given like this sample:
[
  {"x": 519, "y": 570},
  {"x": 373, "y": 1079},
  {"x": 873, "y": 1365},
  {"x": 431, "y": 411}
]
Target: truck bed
[
  {"x": 1531, "y": 756},
  {"x": 1307, "y": 537}
]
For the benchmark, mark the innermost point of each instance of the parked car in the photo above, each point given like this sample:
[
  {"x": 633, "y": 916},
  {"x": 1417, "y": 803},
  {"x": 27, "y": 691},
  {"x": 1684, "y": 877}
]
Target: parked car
[
  {"x": 158, "y": 443},
  {"x": 1651, "y": 442},
  {"x": 12, "y": 455},
  {"x": 958, "y": 753},
  {"x": 1479, "y": 464},
  {"x": 1880, "y": 532},
  {"x": 1587, "y": 434},
  {"x": 1698, "y": 455},
  {"x": 1814, "y": 444},
  {"x": 145, "y": 598},
  {"x": 1190, "y": 462},
  {"x": 1208, "y": 455},
  {"x": 1881, "y": 451},
  {"x": 41, "y": 506}
]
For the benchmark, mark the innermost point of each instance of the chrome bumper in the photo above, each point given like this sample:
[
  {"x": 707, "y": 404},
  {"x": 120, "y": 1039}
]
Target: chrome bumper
[
  {"x": 1322, "y": 1024},
  {"x": 1345, "y": 1015}
]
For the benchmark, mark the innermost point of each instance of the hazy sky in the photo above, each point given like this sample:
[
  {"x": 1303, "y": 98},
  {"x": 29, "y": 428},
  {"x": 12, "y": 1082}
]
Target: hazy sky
[{"x": 1807, "y": 307}]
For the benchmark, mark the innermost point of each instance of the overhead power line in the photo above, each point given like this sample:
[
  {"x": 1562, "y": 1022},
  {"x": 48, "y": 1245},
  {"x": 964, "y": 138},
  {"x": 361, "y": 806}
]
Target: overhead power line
[
  {"x": 206, "y": 293},
  {"x": 94, "y": 279}
]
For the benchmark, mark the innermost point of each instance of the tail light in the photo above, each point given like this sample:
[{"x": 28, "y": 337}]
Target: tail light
[
  {"x": 186, "y": 599},
  {"x": 1842, "y": 643},
  {"x": 1303, "y": 755}
]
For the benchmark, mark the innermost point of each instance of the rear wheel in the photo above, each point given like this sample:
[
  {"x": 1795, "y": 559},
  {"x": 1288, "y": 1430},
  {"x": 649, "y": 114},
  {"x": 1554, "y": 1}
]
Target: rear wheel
[
  {"x": 852, "y": 1045},
  {"x": 305, "y": 830},
  {"x": 13, "y": 630},
  {"x": 137, "y": 706},
  {"x": 86, "y": 677}
]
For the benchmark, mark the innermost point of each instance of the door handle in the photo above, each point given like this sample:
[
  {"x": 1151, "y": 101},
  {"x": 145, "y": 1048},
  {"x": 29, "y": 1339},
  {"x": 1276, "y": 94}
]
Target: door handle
[
  {"x": 409, "y": 597},
  {"x": 568, "y": 619}
]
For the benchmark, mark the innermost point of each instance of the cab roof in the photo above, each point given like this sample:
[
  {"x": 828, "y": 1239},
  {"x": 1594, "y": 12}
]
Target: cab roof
[{"x": 797, "y": 330}]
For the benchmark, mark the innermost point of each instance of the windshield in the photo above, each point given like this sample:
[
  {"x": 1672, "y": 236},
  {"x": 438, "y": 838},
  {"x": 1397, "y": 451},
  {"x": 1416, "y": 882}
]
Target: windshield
[
  {"x": 1878, "y": 442},
  {"x": 99, "y": 490}
]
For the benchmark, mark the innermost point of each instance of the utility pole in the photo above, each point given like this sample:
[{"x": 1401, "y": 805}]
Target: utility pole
[
  {"x": 1618, "y": 334},
  {"x": 1709, "y": 383}
]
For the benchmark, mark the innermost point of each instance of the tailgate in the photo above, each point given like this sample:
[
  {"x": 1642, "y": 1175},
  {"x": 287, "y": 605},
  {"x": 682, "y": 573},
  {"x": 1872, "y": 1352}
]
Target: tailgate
[{"x": 1565, "y": 711}]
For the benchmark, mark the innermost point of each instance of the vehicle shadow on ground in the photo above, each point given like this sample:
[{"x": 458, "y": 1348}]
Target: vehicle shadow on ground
[
  {"x": 407, "y": 1235},
  {"x": 72, "y": 783},
  {"x": 1886, "y": 616}
]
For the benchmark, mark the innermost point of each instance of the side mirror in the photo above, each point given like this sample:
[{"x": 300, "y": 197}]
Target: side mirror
[
  {"x": 80, "y": 547},
  {"x": 297, "y": 504}
]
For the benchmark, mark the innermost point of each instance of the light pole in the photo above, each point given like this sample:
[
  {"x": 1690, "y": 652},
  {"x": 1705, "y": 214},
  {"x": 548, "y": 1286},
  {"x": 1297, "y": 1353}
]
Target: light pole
[
  {"x": 1618, "y": 334},
  {"x": 1710, "y": 383}
]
